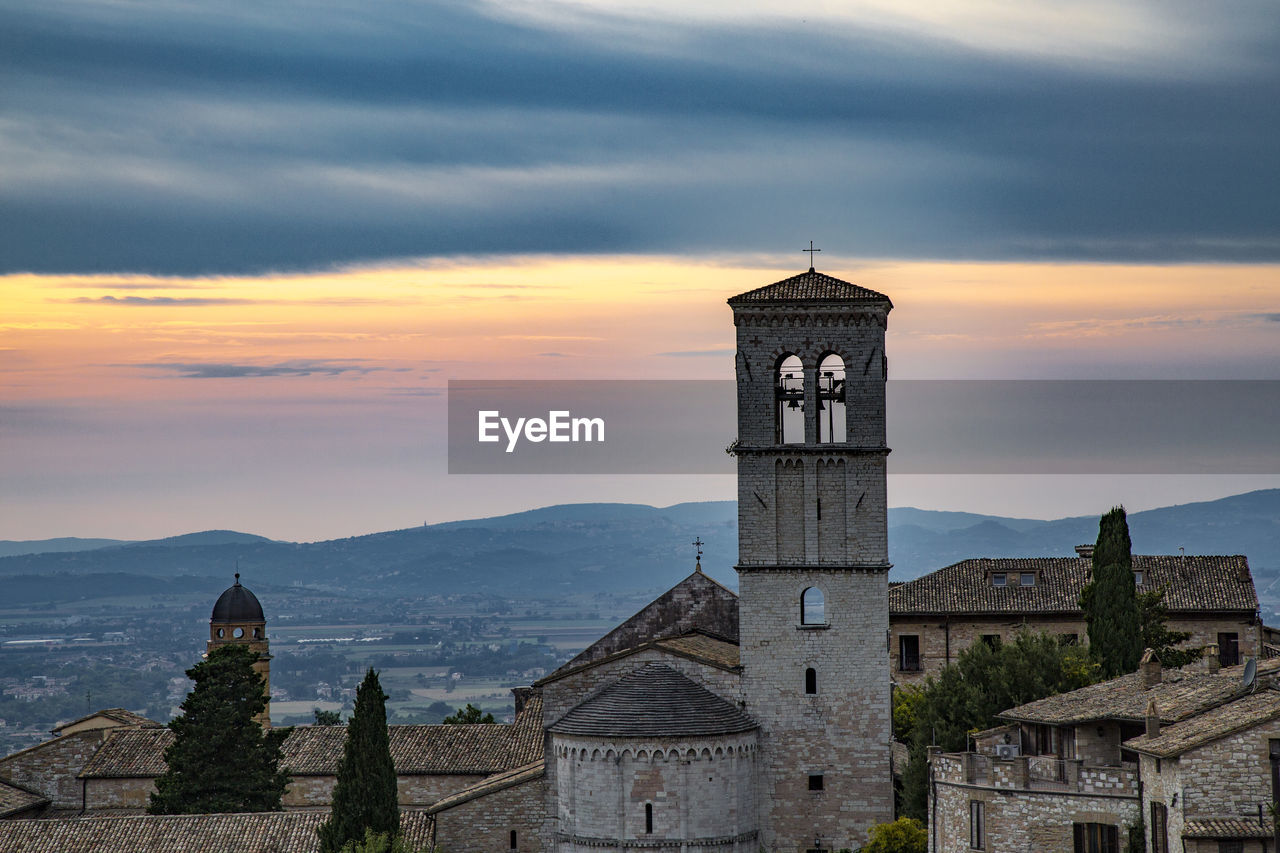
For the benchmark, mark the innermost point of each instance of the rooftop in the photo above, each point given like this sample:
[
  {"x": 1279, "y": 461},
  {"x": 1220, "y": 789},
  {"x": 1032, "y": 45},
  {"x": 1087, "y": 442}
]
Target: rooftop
[
  {"x": 697, "y": 603},
  {"x": 1182, "y": 693},
  {"x": 263, "y": 832},
  {"x": 15, "y": 799},
  {"x": 654, "y": 701},
  {"x": 482, "y": 748},
  {"x": 119, "y": 715},
  {"x": 1236, "y": 715},
  {"x": 1191, "y": 584},
  {"x": 496, "y": 782},
  {"x": 811, "y": 286},
  {"x": 237, "y": 604}
]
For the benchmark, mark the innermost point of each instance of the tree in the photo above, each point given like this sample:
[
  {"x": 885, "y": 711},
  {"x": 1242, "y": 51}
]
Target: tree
[
  {"x": 966, "y": 696},
  {"x": 378, "y": 842},
  {"x": 364, "y": 799},
  {"x": 904, "y": 835},
  {"x": 1109, "y": 599},
  {"x": 1156, "y": 636},
  {"x": 221, "y": 760},
  {"x": 467, "y": 716},
  {"x": 327, "y": 718}
]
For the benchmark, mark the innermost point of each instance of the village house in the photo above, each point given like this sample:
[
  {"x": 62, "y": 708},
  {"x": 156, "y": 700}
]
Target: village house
[
  {"x": 937, "y": 616},
  {"x": 1186, "y": 754}
]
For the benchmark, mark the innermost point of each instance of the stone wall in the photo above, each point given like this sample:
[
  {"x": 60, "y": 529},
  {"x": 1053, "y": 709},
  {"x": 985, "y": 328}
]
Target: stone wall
[
  {"x": 1016, "y": 821},
  {"x": 422, "y": 790},
  {"x": 942, "y": 640},
  {"x": 842, "y": 732},
  {"x": 51, "y": 767},
  {"x": 699, "y": 792},
  {"x": 486, "y": 823},
  {"x": 1228, "y": 777},
  {"x": 131, "y": 794}
]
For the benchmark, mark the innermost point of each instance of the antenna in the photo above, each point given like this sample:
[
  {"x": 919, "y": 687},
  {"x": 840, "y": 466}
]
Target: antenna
[{"x": 1250, "y": 673}]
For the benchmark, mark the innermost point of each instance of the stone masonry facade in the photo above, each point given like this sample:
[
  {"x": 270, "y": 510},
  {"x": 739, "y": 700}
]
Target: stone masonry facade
[
  {"x": 1016, "y": 818},
  {"x": 812, "y": 517}
]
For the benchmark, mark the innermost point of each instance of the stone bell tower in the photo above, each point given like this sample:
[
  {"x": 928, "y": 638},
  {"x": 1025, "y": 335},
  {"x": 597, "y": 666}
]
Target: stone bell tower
[
  {"x": 237, "y": 619},
  {"x": 813, "y": 556}
]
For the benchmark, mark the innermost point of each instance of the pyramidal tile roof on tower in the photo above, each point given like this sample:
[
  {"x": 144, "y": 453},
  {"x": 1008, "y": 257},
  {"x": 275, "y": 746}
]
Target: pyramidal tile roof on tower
[
  {"x": 811, "y": 286},
  {"x": 655, "y": 701}
]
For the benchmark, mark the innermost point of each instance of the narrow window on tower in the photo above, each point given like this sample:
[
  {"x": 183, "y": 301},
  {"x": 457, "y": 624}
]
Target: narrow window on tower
[
  {"x": 789, "y": 401},
  {"x": 810, "y": 680},
  {"x": 813, "y": 607},
  {"x": 513, "y": 839},
  {"x": 648, "y": 818},
  {"x": 831, "y": 400}
]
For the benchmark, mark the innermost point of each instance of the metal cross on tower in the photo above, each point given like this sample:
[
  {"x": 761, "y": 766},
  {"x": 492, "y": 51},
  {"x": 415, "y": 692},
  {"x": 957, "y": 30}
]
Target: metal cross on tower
[
  {"x": 697, "y": 543},
  {"x": 811, "y": 250}
]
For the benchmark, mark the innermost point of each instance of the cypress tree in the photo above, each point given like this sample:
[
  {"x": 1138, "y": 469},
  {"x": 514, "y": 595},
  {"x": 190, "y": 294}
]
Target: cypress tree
[
  {"x": 364, "y": 798},
  {"x": 221, "y": 760},
  {"x": 1110, "y": 601}
]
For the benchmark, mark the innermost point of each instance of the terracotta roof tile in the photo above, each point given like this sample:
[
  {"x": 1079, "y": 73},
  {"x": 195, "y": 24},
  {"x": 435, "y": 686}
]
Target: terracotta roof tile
[
  {"x": 1226, "y": 719},
  {"x": 269, "y": 832},
  {"x": 654, "y": 701},
  {"x": 696, "y": 603},
  {"x": 317, "y": 750},
  {"x": 1181, "y": 694},
  {"x": 1225, "y": 828},
  {"x": 496, "y": 782},
  {"x": 122, "y": 716},
  {"x": 810, "y": 286},
  {"x": 1190, "y": 584},
  {"x": 698, "y": 646},
  {"x": 15, "y": 799}
]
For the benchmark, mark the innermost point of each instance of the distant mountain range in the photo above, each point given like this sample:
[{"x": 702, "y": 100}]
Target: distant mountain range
[{"x": 613, "y": 547}]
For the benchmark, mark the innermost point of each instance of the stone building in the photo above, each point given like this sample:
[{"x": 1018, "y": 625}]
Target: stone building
[
  {"x": 1190, "y": 751},
  {"x": 937, "y": 616}
]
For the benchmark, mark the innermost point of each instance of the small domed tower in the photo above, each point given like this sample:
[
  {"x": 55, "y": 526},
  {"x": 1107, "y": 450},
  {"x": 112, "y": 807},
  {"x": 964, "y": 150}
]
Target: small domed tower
[{"x": 237, "y": 618}]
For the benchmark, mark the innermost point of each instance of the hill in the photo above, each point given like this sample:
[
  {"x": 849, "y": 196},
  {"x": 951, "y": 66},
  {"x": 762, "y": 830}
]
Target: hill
[{"x": 631, "y": 547}]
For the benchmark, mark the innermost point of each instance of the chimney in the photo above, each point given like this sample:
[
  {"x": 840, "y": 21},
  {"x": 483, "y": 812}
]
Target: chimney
[
  {"x": 1150, "y": 669},
  {"x": 1153, "y": 719},
  {"x": 1210, "y": 658},
  {"x": 521, "y": 697},
  {"x": 1085, "y": 551}
]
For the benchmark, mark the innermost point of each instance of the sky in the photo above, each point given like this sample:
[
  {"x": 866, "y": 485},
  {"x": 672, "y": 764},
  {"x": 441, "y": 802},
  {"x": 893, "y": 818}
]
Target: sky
[{"x": 243, "y": 247}]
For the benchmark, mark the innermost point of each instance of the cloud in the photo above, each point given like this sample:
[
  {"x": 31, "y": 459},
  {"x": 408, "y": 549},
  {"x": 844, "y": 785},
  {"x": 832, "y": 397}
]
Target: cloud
[
  {"x": 1269, "y": 317},
  {"x": 162, "y": 300},
  {"x": 554, "y": 355},
  {"x": 231, "y": 137},
  {"x": 227, "y": 370}
]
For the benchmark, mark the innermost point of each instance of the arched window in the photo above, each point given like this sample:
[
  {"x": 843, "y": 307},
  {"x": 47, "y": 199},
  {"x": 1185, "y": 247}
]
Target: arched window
[
  {"x": 811, "y": 680},
  {"x": 789, "y": 401},
  {"x": 648, "y": 818},
  {"x": 831, "y": 400},
  {"x": 813, "y": 607},
  {"x": 513, "y": 839}
]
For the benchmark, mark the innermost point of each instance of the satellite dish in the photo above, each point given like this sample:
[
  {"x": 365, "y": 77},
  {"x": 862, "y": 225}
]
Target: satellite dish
[{"x": 1250, "y": 673}]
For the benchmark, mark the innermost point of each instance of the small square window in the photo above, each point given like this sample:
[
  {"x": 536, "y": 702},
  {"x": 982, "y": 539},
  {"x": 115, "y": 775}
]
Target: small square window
[
  {"x": 815, "y": 782},
  {"x": 999, "y": 579},
  {"x": 1027, "y": 579},
  {"x": 1138, "y": 578}
]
